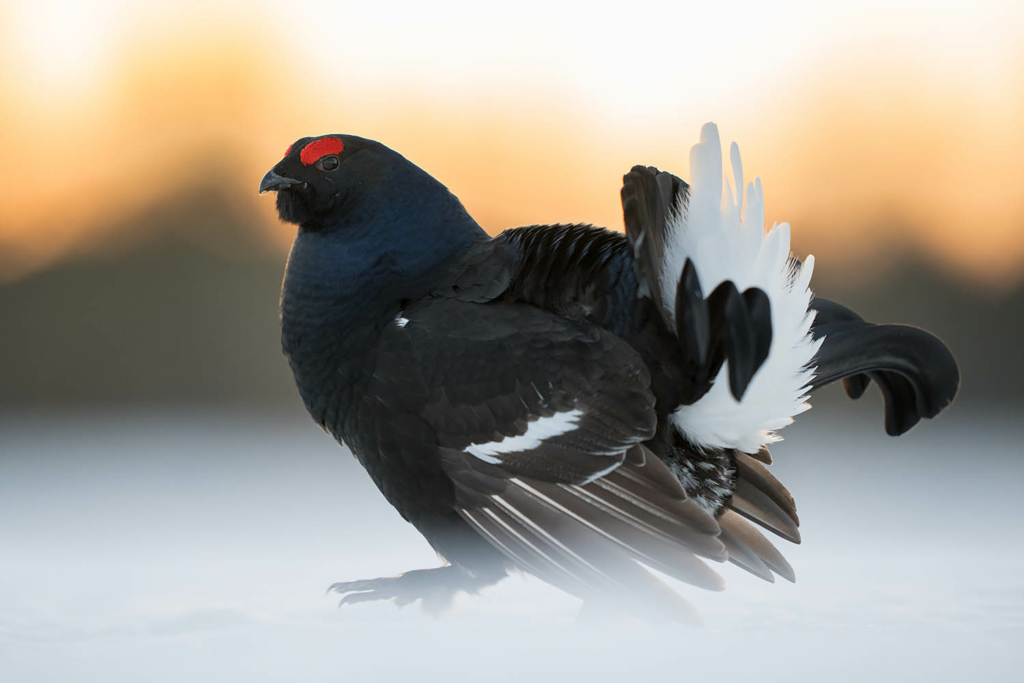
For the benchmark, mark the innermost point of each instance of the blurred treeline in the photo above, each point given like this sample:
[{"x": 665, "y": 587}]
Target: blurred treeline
[{"x": 186, "y": 314}]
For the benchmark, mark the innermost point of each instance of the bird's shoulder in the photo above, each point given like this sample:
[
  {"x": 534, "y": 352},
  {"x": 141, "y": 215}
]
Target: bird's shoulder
[{"x": 576, "y": 271}]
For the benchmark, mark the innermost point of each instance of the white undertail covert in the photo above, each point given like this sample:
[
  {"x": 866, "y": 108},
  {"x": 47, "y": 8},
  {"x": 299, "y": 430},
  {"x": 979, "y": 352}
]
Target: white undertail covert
[{"x": 720, "y": 227}]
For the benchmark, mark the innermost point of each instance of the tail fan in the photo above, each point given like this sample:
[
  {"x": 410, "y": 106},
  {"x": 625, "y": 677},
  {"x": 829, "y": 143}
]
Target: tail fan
[
  {"x": 746, "y": 347},
  {"x": 726, "y": 325}
]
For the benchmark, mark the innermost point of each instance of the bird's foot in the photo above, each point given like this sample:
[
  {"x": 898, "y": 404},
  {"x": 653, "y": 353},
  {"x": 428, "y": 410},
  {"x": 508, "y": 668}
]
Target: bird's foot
[{"x": 435, "y": 587}]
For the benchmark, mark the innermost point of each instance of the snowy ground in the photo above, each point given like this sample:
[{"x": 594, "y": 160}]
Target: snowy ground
[{"x": 144, "y": 547}]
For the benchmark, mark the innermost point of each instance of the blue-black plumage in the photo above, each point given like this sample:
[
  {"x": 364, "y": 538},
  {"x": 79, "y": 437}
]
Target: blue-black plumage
[{"x": 566, "y": 400}]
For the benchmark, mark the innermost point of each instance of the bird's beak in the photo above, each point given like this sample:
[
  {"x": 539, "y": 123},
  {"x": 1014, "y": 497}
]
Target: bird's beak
[{"x": 273, "y": 182}]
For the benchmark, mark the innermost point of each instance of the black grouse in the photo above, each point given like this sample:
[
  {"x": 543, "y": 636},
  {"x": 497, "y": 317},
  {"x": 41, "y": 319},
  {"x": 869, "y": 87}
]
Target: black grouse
[{"x": 565, "y": 400}]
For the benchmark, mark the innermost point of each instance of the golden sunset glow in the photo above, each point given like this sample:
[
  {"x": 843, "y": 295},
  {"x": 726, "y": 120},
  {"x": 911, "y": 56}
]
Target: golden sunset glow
[{"x": 879, "y": 128}]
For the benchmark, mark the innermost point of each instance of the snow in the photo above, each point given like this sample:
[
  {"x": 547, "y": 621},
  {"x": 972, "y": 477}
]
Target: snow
[{"x": 171, "y": 547}]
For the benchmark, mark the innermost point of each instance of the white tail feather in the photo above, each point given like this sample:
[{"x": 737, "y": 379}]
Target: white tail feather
[{"x": 727, "y": 241}]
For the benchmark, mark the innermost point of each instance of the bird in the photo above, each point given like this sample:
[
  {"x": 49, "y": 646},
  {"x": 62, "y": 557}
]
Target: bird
[{"x": 576, "y": 403}]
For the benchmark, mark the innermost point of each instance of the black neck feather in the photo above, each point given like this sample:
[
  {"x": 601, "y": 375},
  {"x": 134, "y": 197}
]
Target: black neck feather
[{"x": 345, "y": 281}]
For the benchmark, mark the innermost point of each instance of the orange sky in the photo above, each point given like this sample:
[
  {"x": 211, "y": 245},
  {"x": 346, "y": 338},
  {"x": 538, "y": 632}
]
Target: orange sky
[{"x": 875, "y": 130}]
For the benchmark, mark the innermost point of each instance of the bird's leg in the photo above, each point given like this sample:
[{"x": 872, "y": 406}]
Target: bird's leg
[{"x": 435, "y": 587}]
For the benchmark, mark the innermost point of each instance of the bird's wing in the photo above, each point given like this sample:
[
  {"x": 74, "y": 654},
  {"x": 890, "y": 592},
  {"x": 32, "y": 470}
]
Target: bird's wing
[
  {"x": 915, "y": 371},
  {"x": 539, "y": 423}
]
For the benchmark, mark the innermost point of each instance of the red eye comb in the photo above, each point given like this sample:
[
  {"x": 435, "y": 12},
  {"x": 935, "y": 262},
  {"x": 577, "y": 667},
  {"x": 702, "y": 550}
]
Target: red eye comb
[{"x": 318, "y": 149}]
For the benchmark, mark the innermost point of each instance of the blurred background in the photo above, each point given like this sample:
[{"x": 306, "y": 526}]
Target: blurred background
[
  {"x": 146, "y": 412},
  {"x": 138, "y": 264}
]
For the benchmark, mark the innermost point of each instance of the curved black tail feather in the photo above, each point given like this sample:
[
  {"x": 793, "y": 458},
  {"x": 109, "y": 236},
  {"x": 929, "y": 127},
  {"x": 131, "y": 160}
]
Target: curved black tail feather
[{"x": 914, "y": 370}]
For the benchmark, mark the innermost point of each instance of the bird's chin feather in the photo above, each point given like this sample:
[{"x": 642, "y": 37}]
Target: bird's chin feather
[{"x": 292, "y": 207}]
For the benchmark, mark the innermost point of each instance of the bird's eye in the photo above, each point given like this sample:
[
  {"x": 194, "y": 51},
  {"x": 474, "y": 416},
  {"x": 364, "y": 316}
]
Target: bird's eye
[{"x": 329, "y": 163}]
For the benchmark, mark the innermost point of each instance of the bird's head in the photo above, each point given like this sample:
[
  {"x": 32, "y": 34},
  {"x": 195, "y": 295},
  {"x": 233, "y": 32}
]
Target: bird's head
[{"x": 319, "y": 177}]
